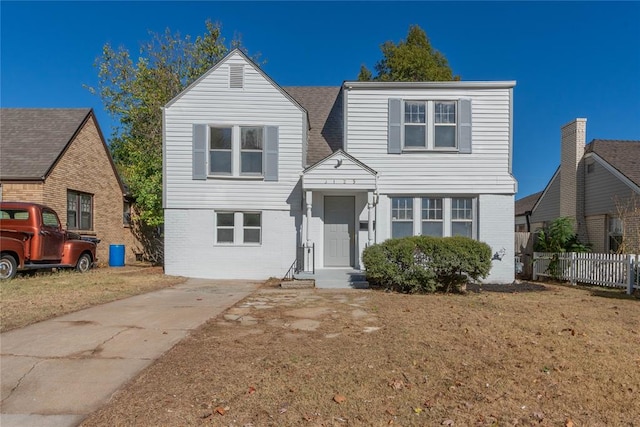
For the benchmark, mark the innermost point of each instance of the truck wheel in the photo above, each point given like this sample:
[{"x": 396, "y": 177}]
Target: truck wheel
[
  {"x": 8, "y": 267},
  {"x": 84, "y": 263}
]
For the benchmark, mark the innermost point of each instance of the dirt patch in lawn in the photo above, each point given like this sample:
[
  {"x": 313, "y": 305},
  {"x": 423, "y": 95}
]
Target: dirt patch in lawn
[
  {"x": 30, "y": 299},
  {"x": 545, "y": 355}
]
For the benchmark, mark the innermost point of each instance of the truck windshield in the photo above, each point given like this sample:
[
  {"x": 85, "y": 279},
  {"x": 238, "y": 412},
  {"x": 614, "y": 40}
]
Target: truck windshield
[{"x": 19, "y": 214}]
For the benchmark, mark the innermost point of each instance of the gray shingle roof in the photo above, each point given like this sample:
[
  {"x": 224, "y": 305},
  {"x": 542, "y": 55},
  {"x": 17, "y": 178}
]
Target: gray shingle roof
[
  {"x": 324, "y": 106},
  {"x": 622, "y": 155},
  {"x": 527, "y": 203},
  {"x": 32, "y": 139}
]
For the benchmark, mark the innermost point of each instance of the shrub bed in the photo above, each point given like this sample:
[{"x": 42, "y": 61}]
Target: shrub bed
[{"x": 423, "y": 264}]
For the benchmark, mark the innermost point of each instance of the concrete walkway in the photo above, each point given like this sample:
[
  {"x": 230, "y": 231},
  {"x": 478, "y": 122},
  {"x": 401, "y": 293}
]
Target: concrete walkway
[
  {"x": 55, "y": 373},
  {"x": 339, "y": 278}
]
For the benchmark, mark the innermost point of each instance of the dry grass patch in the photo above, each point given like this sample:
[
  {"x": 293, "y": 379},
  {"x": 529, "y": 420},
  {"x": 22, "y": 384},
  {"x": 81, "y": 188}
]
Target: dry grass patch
[
  {"x": 29, "y": 299},
  {"x": 547, "y": 355}
]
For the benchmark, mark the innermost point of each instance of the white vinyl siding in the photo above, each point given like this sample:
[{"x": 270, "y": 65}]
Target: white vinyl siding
[
  {"x": 485, "y": 170},
  {"x": 212, "y": 102}
]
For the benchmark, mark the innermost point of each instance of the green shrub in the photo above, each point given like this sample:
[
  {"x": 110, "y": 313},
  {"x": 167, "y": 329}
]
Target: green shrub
[{"x": 422, "y": 264}]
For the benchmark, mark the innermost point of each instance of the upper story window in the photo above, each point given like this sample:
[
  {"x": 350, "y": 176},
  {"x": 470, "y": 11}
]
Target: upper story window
[
  {"x": 429, "y": 125},
  {"x": 235, "y": 151},
  {"x": 79, "y": 210}
]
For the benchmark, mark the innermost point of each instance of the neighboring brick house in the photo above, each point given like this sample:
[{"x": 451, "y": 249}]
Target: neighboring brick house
[
  {"x": 58, "y": 157},
  {"x": 598, "y": 185}
]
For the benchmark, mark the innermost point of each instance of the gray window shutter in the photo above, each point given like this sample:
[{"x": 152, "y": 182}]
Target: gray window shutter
[
  {"x": 394, "y": 144},
  {"x": 199, "y": 152},
  {"x": 464, "y": 126},
  {"x": 271, "y": 154}
]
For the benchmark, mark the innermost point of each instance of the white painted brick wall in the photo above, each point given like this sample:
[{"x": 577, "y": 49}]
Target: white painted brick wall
[
  {"x": 495, "y": 216},
  {"x": 191, "y": 251}
]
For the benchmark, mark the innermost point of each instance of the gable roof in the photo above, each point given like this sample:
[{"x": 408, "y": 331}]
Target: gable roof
[
  {"x": 624, "y": 156},
  {"x": 324, "y": 108},
  {"x": 527, "y": 203},
  {"x": 32, "y": 139}
]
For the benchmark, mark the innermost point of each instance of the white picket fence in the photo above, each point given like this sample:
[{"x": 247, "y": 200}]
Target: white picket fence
[{"x": 611, "y": 270}]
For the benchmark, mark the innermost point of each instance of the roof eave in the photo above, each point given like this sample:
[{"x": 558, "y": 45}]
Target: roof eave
[{"x": 354, "y": 84}]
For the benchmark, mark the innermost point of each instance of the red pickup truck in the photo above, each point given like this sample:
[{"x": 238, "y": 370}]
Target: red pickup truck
[{"x": 31, "y": 237}]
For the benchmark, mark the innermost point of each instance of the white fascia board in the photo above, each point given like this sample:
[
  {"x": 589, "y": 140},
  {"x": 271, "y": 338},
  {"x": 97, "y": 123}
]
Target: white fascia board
[{"x": 508, "y": 84}]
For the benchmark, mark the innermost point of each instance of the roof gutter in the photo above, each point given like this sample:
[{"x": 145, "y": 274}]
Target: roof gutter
[{"x": 430, "y": 85}]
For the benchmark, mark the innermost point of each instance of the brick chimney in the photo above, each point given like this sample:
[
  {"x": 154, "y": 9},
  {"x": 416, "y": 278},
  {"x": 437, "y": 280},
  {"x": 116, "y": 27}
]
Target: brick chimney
[{"x": 572, "y": 146}]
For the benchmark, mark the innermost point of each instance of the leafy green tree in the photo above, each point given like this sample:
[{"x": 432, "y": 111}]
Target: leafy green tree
[
  {"x": 134, "y": 90},
  {"x": 559, "y": 236},
  {"x": 410, "y": 60}
]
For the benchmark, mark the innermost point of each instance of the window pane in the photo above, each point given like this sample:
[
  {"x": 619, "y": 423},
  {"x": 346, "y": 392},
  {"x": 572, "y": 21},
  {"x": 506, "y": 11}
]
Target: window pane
[
  {"x": 220, "y": 162},
  {"x": 431, "y": 208},
  {"x": 461, "y": 229},
  {"x": 251, "y": 235},
  {"x": 251, "y": 162},
  {"x": 252, "y": 220},
  {"x": 414, "y": 112},
  {"x": 225, "y": 235},
  {"x": 445, "y": 136},
  {"x": 85, "y": 221},
  {"x": 445, "y": 112},
  {"x": 461, "y": 208},
  {"x": 401, "y": 229},
  {"x": 251, "y": 138},
  {"x": 414, "y": 136},
  {"x": 401, "y": 208},
  {"x": 49, "y": 219},
  {"x": 430, "y": 228},
  {"x": 220, "y": 138},
  {"x": 225, "y": 220}
]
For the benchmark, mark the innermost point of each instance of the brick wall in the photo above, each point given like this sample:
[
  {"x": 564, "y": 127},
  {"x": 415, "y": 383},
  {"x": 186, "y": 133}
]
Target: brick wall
[
  {"x": 597, "y": 231},
  {"x": 22, "y": 192},
  {"x": 572, "y": 144}
]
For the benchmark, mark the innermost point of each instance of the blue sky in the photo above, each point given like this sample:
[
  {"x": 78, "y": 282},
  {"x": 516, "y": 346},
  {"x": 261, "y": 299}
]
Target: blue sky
[{"x": 570, "y": 59}]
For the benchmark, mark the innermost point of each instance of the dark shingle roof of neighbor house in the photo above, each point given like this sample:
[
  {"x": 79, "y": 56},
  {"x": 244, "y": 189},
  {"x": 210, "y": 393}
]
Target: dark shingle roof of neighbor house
[
  {"x": 324, "y": 106},
  {"x": 526, "y": 203},
  {"x": 32, "y": 139},
  {"x": 622, "y": 155}
]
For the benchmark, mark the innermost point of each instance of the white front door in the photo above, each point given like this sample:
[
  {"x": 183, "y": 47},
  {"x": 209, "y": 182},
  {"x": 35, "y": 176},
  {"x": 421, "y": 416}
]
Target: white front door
[{"x": 339, "y": 233}]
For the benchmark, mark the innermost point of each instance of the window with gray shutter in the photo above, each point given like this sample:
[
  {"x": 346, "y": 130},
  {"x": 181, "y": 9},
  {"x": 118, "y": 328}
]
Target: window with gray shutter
[
  {"x": 464, "y": 126},
  {"x": 271, "y": 154},
  {"x": 199, "y": 152},
  {"x": 394, "y": 144}
]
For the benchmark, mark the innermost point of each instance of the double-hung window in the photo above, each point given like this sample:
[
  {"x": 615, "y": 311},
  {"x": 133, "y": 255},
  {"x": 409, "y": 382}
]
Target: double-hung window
[
  {"x": 432, "y": 219},
  {"x": 220, "y": 150},
  {"x": 239, "y": 228},
  {"x": 251, "y": 147},
  {"x": 430, "y": 125},
  {"x": 402, "y": 216},
  {"x": 79, "y": 211},
  {"x": 433, "y": 216}
]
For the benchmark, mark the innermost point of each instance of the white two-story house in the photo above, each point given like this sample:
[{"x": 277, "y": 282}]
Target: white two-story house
[{"x": 257, "y": 175}]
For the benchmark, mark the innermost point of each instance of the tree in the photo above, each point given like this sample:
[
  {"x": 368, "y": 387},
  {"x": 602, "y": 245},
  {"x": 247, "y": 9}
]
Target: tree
[{"x": 412, "y": 60}]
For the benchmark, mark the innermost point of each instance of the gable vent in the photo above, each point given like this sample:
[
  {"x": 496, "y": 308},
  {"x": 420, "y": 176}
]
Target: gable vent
[{"x": 236, "y": 76}]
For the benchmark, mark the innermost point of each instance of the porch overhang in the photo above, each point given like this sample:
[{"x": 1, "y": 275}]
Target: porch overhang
[{"x": 339, "y": 171}]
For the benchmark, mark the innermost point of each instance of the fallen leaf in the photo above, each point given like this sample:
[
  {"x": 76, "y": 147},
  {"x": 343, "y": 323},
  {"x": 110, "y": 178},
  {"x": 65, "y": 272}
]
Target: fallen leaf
[
  {"x": 338, "y": 398},
  {"x": 251, "y": 390},
  {"x": 568, "y": 423},
  {"x": 396, "y": 384},
  {"x": 539, "y": 415},
  {"x": 447, "y": 423},
  {"x": 390, "y": 412},
  {"x": 417, "y": 410},
  {"x": 220, "y": 410}
]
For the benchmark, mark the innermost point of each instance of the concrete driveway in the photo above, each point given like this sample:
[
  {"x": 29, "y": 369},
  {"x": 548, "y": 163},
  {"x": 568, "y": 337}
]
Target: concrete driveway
[{"x": 54, "y": 373}]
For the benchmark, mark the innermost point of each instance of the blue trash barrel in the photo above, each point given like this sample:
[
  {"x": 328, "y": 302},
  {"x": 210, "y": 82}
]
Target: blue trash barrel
[{"x": 116, "y": 255}]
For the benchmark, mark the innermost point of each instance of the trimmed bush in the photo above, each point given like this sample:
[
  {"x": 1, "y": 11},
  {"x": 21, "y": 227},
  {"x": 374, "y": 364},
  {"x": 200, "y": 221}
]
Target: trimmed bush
[{"x": 423, "y": 264}]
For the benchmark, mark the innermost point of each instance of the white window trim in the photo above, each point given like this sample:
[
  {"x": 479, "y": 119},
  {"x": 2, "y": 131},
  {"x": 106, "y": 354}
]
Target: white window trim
[
  {"x": 236, "y": 150},
  {"x": 446, "y": 213},
  {"x": 238, "y": 228},
  {"x": 430, "y": 125}
]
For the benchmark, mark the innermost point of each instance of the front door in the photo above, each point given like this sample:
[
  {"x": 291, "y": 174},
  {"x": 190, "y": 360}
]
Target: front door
[{"x": 339, "y": 235}]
